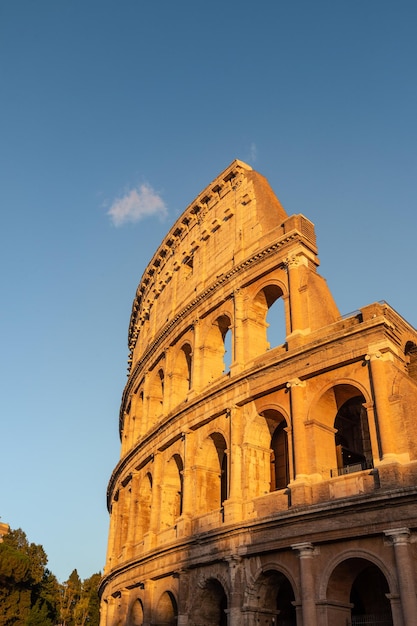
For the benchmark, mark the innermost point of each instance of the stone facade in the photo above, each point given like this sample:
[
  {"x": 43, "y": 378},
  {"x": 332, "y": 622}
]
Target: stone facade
[{"x": 269, "y": 445}]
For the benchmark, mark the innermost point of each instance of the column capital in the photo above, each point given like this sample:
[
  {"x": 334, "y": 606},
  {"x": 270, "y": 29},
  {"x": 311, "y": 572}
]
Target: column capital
[
  {"x": 295, "y": 382},
  {"x": 306, "y": 550},
  {"x": 398, "y": 536},
  {"x": 233, "y": 559},
  {"x": 292, "y": 261}
]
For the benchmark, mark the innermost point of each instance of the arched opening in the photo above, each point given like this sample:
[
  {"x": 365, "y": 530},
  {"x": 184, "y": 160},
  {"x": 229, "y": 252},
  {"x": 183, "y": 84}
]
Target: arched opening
[
  {"x": 186, "y": 350},
  {"x": 279, "y": 458},
  {"x": 266, "y": 321},
  {"x": 136, "y": 614},
  {"x": 166, "y": 612},
  {"x": 156, "y": 394},
  {"x": 212, "y": 474},
  {"x": 359, "y": 589},
  {"x": 275, "y": 600},
  {"x": 352, "y": 438},
  {"x": 210, "y": 605},
  {"x": 145, "y": 505},
  {"x": 340, "y": 431},
  {"x": 369, "y": 598},
  {"x": 172, "y": 491},
  {"x": 181, "y": 375},
  {"x": 275, "y": 316},
  {"x": 218, "y": 349},
  {"x": 279, "y": 472},
  {"x": 411, "y": 354},
  {"x": 220, "y": 444},
  {"x": 228, "y": 353},
  {"x": 137, "y": 413}
]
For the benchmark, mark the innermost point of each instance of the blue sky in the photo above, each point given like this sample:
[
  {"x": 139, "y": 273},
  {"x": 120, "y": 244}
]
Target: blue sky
[{"x": 114, "y": 116}]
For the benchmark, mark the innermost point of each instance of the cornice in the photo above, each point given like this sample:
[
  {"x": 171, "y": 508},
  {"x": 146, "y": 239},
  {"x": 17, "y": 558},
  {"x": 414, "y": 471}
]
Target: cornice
[
  {"x": 205, "y": 201},
  {"x": 255, "y": 259},
  {"x": 291, "y": 519}
]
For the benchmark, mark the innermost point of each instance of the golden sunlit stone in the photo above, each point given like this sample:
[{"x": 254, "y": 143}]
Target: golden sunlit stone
[{"x": 268, "y": 445}]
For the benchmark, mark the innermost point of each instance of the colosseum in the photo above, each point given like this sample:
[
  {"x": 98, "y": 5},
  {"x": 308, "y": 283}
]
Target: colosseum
[{"x": 268, "y": 463}]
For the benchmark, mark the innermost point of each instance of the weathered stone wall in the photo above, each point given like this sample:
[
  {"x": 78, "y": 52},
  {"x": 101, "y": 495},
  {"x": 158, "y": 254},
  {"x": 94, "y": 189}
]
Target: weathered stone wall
[{"x": 268, "y": 444}]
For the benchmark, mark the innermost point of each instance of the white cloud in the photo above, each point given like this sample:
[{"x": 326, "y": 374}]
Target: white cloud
[
  {"x": 136, "y": 205},
  {"x": 253, "y": 152}
]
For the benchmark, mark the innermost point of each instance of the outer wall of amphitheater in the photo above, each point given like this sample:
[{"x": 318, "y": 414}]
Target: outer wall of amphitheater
[{"x": 268, "y": 460}]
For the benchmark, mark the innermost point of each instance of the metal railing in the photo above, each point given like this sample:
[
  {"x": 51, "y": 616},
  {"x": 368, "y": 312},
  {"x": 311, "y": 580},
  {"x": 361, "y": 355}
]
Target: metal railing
[
  {"x": 350, "y": 469},
  {"x": 371, "y": 620}
]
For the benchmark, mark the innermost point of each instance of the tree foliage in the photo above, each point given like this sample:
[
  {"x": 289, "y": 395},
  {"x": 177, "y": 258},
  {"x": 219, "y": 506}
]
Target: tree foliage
[{"x": 30, "y": 595}]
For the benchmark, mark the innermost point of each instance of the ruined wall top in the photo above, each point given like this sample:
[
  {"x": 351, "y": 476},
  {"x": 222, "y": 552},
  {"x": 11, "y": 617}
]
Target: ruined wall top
[{"x": 233, "y": 217}]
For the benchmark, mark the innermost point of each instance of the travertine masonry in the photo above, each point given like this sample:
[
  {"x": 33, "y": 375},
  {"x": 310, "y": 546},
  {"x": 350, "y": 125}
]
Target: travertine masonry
[{"x": 269, "y": 445}]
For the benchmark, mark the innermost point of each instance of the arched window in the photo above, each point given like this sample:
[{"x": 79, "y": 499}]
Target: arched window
[
  {"x": 275, "y": 597},
  {"x": 156, "y": 395},
  {"x": 279, "y": 458},
  {"x": 358, "y": 593},
  {"x": 136, "y": 613},
  {"x": 137, "y": 414},
  {"x": 186, "y": 350},
  {"x": 353, "y": 443},
  {"x": 280, "y": 474},
  {"x": 265, "y": 323},
  {"x": 172, "y": 491},
  {"x": 210, "y": 605},
  {"x": 275, "y": 316},
  {"x": 166, "y": 611},
  {"x": 145, "y": 504},
  {"x": 212, "y": 474},
  {"x": 218, "y": 349}
]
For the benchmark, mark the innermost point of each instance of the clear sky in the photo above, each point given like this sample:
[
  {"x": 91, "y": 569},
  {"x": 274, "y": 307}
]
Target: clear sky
[{"x": 114, "y": 116}]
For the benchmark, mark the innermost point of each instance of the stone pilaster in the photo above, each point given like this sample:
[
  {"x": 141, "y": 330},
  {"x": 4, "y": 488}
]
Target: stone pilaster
[
  {"x": 306, "y": 552},
  {"x": 400, "y": 539}
]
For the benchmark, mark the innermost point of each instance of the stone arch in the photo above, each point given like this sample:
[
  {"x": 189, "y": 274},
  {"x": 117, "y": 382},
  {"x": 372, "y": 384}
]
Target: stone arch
[
  {"x": 272, "y": 598},
  {"x": 216, "y": 348},
  {"x": 172, "y": 491},
  {"x": 156, "y": 390},
  {"x": 342, "y": 428},
  {"x": 212, "y": 473},
  {"x": 268, "y": 308},
  {"x": 136, "y": 616},
  {"x": 355, "y": 588},
  {"x": 123, "y": 502},
  {"x": 181, "y": 379},
  {"x": 210, "y": 604},
  {"x": 279, "y": 449},
  {"x": 166, "y": 610},
  {"x": 137, "y": 412},
  {"x": 144, "y": 505}
]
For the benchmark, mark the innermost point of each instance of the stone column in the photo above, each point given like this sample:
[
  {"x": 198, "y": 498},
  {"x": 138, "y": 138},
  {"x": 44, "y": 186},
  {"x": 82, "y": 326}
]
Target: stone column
[
  {"x": 296, "y": 317},
  {"x": 149, "y": 538},
  {"x": 235, "y": 455},
  {"x": 383, "y": 415},
  {"x": 197, "y": 355},
  {"x": 133, "y": 512},
  {"x": 184, "y": 599},
  {"x": 400, "y": 538},
  {"x": 238, "y": 335},
  {"x": 308, "y": 605},
  {"x": 298, "y": 414},
  {"x": 235, "y": 600}
]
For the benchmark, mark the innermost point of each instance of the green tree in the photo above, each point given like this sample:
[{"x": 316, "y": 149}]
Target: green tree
[
  {"x": 25, "y": 583},
  {"x": 39, "y": 615},
  {"x": 70, "y": 597}
]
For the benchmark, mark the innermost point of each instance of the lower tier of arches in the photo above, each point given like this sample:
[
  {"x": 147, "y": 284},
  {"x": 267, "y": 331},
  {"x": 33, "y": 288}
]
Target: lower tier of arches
[{"x": 369, "y": 580}]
